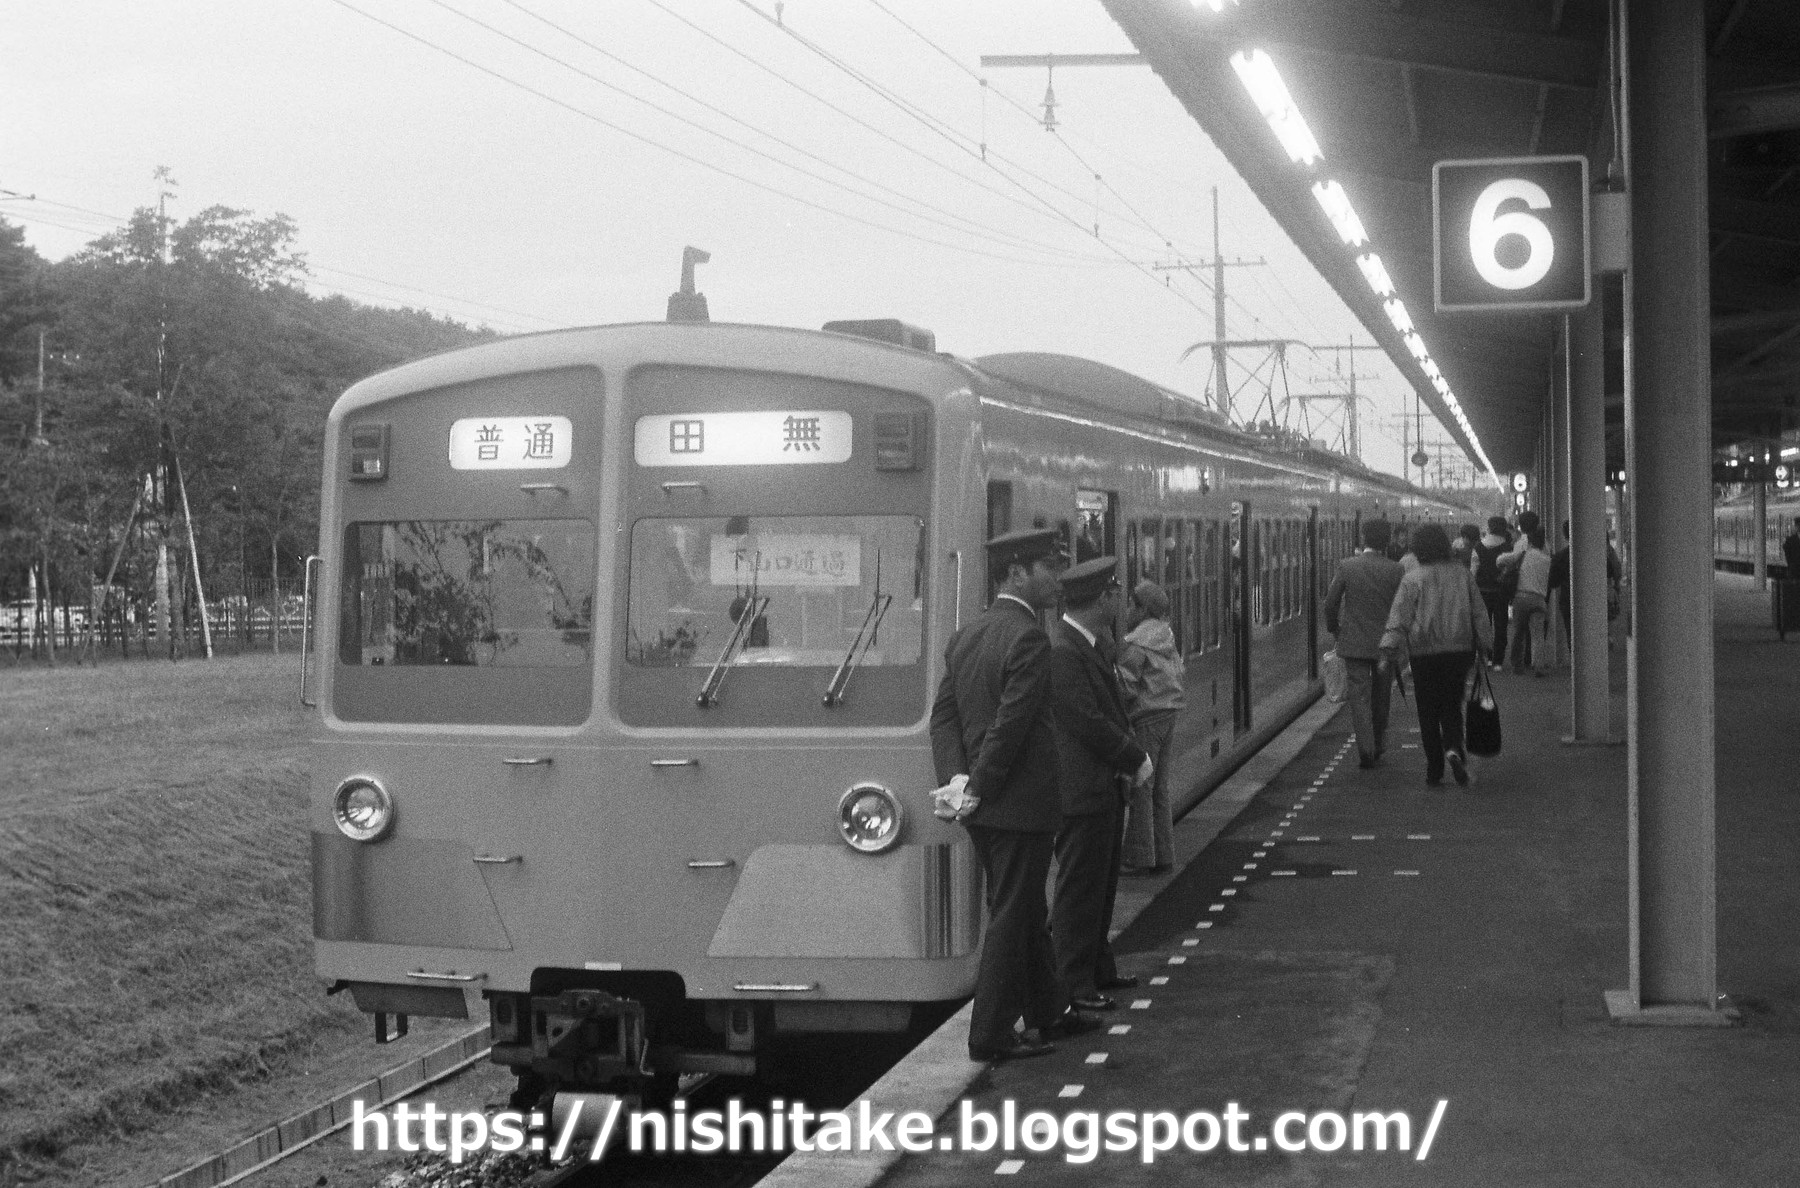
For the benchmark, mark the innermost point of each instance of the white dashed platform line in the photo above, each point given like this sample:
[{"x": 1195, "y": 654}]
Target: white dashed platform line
[
  {"x": 1311, "y": 837},
  {"x": 1119, "y": 1029},
  {"x": 1362, "y": 837},
  {"x": 1009, "y": 1167},
  {"x": 1178, "y": 960},
  {"x": 1241, "y": 878},
  {"x": 1265, "y": 853},
  {"x": 1343, "y": 872},
  {"x": 1204, "y": 924},
  {"x": 1140, "y": 1004},
  {"x": 1160, "y": 980},
  {"x": 1070, "y": 1091},
  {"x": 1096, "y": 1058},
  {"x": 1250, "y": 865},
  {"x": 1283, "y": 874},
  {"x": 1229, "y": 891},
  {"x": 1406, "y": 872},
  {"x": 1216, "y": 907},
  {"x": 1418, "y": 837},
  {"x": 1191, "y": 942}
]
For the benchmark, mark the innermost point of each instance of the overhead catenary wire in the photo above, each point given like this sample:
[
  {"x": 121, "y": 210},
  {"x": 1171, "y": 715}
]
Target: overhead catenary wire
[
  {"x": 1004, "y": 194},
  {"x": 671, "y": 150},
  {"x": 950, "y": 134},
  {"x": 1099, "y": 178},
  {"x": 970, "y": 226}
]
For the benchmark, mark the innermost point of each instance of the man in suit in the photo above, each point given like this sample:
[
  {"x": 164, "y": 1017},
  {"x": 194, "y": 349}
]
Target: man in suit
[
  {"x": 991, "y": 722},
  {"x": 1097, "y": 748},
  {"x": 1356, "y": 610}
]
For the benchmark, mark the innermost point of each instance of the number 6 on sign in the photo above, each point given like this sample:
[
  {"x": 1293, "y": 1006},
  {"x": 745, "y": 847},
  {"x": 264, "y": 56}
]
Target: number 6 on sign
[
  {"x": 1487, "y": 228},
  {"x": 1510, "y": 233}
]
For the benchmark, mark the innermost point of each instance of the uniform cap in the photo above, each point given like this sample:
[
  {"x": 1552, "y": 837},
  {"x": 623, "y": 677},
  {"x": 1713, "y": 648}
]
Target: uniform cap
[
  {"x": 1024, "y": 547},
  {"x": 1083, "y": 582}
]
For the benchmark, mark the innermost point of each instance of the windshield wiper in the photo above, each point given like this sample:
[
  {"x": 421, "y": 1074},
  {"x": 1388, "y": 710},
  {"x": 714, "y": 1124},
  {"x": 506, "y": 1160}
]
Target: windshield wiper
[
  {"x": 865, "y": 635},
  {"x": 709, "y": 693}
]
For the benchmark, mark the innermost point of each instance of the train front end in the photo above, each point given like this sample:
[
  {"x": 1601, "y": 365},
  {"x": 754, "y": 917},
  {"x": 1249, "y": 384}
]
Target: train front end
[{"x": 627, "y": 639}]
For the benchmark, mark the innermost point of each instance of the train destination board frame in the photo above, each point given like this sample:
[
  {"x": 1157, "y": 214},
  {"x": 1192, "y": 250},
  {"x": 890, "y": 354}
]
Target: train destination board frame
[{"x": 1511, "y": 233}]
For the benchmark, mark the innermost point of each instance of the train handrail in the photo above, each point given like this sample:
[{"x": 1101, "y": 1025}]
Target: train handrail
[
  {"x": 956, "y": 557},
  {"x": 312, "y": 562}
]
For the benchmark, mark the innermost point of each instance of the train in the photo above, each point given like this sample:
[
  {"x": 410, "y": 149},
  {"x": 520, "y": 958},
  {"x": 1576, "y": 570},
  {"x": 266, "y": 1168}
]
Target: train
[
  {"x": 1734, "y": 529},
  {"x": 626, "y": 641}
]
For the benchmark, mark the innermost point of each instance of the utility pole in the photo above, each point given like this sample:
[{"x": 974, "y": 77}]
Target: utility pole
[{"x": 1355, "y": 425}]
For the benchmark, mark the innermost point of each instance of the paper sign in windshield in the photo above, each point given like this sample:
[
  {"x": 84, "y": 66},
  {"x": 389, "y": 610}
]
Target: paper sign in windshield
[
  {"x": 775, "y": 437},
  {"x": 769, "y": 559},
  {"x": 510, "y": 443}
]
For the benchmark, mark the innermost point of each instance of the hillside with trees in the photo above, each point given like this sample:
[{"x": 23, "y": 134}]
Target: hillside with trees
[{"x": 170, "y": 355}]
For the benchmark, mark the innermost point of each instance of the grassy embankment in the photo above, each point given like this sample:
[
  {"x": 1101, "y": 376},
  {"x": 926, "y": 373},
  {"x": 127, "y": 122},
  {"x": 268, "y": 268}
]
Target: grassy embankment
[{"x": 155, "y": 893}]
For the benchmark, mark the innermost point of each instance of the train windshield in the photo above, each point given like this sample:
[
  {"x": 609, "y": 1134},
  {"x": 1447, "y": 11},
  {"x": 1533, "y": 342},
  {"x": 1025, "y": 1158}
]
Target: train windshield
[
  {"x": 757, "y": 618},
  {"x": 470, "y": 593},
  {"x": 810, "y": 581}
]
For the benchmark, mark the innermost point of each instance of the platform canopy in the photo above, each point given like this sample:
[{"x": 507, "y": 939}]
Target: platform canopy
[{"x": 1388, "y": 87}]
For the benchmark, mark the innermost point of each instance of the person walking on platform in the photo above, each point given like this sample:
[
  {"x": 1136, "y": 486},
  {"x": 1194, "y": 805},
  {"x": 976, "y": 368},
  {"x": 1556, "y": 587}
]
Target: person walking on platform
[
  {"x": 992, "y": 723},
  {"x": 1559, "y": 576},
  {"x": 1790, "y": 552},
  {"x": 1356, "y": 610},
  {"x": 1530, "y": 604},
  {"x": 1151, "y": 675},
  {"x": 1437, "y": 616},
  {"x": 1097, "y": 749},
  {"x": 1484, "y": 563}
]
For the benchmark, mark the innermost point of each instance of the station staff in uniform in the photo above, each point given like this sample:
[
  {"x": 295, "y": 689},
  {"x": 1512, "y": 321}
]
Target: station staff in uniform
[
  {"x": 991, "y": 722},
  {"x": 1097, "y": 748}
]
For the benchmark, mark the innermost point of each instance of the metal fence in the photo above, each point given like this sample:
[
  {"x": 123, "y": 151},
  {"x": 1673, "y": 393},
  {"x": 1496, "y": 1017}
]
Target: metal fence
[{"x": 264, "y": 616}]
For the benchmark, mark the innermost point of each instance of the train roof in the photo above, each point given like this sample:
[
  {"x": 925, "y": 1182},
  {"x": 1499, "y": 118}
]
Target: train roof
[{"x": 1099, "y": 383}]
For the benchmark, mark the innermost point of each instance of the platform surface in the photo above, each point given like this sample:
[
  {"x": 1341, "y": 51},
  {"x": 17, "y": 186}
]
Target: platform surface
[{"x": 1465, "y": 960}]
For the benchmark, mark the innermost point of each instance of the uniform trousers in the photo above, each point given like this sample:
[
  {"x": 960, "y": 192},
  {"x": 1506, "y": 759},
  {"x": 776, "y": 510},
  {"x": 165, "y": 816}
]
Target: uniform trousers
[
  {"x": 1087, "y": 873},
  {"x": 1438, "y": 693},
  {"x": 1017, "y": 974},
  {"x": 1495, "y": 601}
]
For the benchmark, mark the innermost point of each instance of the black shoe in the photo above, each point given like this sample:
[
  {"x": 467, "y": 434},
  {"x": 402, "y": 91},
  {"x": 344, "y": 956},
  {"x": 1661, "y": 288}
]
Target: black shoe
[
  {"x": 1433, "y": 781},
  {"x": 1072, "y": 1023},
  {"x": 1458, "y": 768},
  {"x": 1120, "y": 982},
  {"x": 1022, "y": 1047},
  {"x": 1092, "y": 1002}
]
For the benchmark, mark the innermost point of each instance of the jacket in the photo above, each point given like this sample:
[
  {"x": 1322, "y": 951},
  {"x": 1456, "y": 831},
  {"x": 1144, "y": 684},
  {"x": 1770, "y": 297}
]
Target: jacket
[
  {"x": 1093, "y": 731},
  {"x": 1151, "y": 671},
  {"x": 1534, "y": 572},
  {"x": 1484, "y": 560},
  {"x": 1434, "y": 612},
  {"x": 1357, "y": 605},
  {"x": 992, "y": 720}
]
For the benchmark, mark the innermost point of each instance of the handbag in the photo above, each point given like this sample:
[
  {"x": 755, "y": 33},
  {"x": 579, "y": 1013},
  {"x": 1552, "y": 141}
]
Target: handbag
[
  {"x": 1336, "y": 675},
  {"x": 1481, "y": 717}
]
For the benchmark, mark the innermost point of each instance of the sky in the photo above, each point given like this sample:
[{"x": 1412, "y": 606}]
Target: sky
[{"x": 532, "y": 164}]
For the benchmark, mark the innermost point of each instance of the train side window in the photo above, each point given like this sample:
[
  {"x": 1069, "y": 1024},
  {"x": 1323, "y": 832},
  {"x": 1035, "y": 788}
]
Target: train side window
[
  {"x": 1096, "y": 517},
  {"x": 1131, "y": 556},
  {"x": 1171, "y": 573},
  {"x": 1215, "y": 568},
  {"x": 1149, "y": 564}
]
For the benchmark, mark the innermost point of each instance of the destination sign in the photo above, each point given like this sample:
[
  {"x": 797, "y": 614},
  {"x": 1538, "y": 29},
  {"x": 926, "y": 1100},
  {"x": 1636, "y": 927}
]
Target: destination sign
[
  {"x": 510, "y": 443},
  {"x": 774, "y": 437},
  {"x": 786, "y": 559}
]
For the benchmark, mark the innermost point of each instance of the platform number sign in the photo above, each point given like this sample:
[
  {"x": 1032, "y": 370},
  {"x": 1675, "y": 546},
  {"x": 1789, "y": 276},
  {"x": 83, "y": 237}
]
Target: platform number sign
[{"x": 1511, "y": 233}]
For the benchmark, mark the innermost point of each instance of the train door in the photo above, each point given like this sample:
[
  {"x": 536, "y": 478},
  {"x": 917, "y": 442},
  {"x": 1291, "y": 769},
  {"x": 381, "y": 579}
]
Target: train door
[
  {"x": 1242, "y": 575},
  {"x": 1310, "y": 567}
]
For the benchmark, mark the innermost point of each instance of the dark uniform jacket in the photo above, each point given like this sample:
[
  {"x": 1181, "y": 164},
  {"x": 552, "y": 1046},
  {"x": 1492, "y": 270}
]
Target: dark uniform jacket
[
  {"x": 1093, "y": 729},
  {"x": 992, "y": 720}
]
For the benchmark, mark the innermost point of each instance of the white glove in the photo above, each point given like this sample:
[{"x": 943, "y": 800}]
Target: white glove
[
  {"x": 1145, "y": 773},
  {"x": 952, "y": 802}
]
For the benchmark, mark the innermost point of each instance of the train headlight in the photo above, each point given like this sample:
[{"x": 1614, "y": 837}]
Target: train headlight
[
  {"x": 869, "y": 818},
  {"x": 363, "y": 809}
]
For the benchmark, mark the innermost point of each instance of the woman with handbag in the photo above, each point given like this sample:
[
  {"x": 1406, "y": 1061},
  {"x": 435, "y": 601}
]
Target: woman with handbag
[{"x": 1439, "y": 617}]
